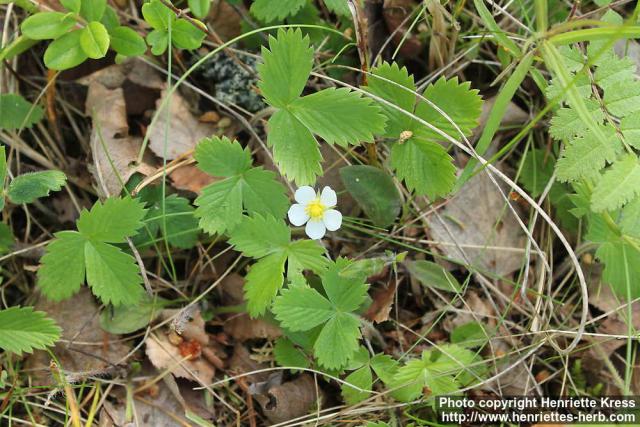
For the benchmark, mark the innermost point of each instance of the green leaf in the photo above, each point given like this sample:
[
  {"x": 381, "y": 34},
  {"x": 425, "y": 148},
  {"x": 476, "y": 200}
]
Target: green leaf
[
  {"x": 266, "y": 11},
  {"x": 158, "y": 40},
  {"x": 65, "y": 52},
  {"x": 361, "y": 378},
  {"x": 286, "y": 67},
  {"x": 363, "y": 268},
  {"x": 110, "y": 20},
  {"x": 31, "y": 186},
  {"x": 17, "y": 113},
  {"x": 95, "y": 40},
  {"x": 339, "y": 7},
  {"x": 288, "y": 355},
  {"x": 62, "y": 268},
  {"x": 47, "y": 25},
  {"x": 23, "y": 330},
  {"x": 199, "y": 8},
  {"x": 615, "y": 70},
  {"x": 395, "y": 85},
  {"x": 430, "y": 274},
  {"x": 220, "y": 204},
  {"x": 112, "y": 221},
  {"x": 6, "y": 238},
  {"x": 339, "y": 116},
  {"x": 469, "y": 335},
  {"x": 345, "y": 293},
  {"x": 222, "y": 157},
  {"x": 622, "y": 267},
  {"x": 260, "y": 236},
  {"x": 185, "y": 35},
  {"x": 630, "y": 221},
  {"x": 306, "y": 255},
  {"x": 71, "y": 5},
  {"x": 566, "y": 123},
  {"x": 181, "y": 223},
  {"x": 157, "y": 15},
  {"x": 295, "y": 150},
  {"x": 537, "y": 170},
  {"x": 425, "y": 166},
  {"x": 112, "y": 274},
  {"x": 302, "y": 308},
  {"x": 338, "y": 340},
  {"x": 630, "y": 128},
  {"x": 3, "y": 167},
  {"x": 586, "y": 155},
  {"x": 127, "y": 319},
  {"x": 374, "y": 191},
  {"x": 619, "y": 185},
  {"x": 92, "y": 10},
  {"x": 127, "y": 42},
  {"x": 264, "y": 280},
  {"x": 623, "y": 98},
  {"x": 459, "y": 103}
]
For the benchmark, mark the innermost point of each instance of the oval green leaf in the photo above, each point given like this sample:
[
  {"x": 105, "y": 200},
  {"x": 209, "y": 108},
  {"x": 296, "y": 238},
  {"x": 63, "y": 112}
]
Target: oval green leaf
[
  {"x": 127, "y": 42},
  {"x": 95, "y": 40},
  {"x": 71, "y": 5},
  {"x": 47, "y": 25},
  {"x": 374, "y": 191},
  {"x": 185, "y": 35},
  {"x": 65, "y": 52},
  {"x": 92, "y": 10},
  {"x": 432, "y": 275},
  {"x": 199, "y": 8}
]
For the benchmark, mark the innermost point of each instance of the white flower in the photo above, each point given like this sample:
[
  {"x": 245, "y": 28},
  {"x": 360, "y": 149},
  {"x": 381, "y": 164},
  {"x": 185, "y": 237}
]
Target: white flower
[{"x": 315, "y": 210}]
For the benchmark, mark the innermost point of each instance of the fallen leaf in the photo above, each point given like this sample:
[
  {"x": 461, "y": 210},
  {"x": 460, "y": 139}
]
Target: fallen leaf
[
  {"x": 164, "y": 355},
  {"x": 185, "y": 130},
  {"x": 476, "y": 219},
  {"x": 225, "y": 19},
  {"x": 190, "y": 178},
  {"x": 84, "y": 349},
  {"x": 289, "y": 400},
  {"x": 396, "y": 16},
  {"x": 382, "y": 301}
]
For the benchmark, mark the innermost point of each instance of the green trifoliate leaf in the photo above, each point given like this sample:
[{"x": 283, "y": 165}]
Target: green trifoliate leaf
[
  {"x": 23, "y": 330},
  {"x": 47, "y": 25},
  {"x": 324, "y": 113},
  {"x": 220, "y": 206},
  {"x": 619, "y": 184},
  {"x": 94, "y": 40},
  {"x": 266, "y": 11},
  {"x": 112, "y": 274},
  {"x": 199, "y": 8},
  {"x": 430, "y": 274},
  {"x": 112, "y": 221},
  {"x": 285, "y": 67},
  {"x": 127, "y": 42},
  {"x": 92, "y": 10},
  {"x": 31, "y": 186},
  {"x": 270, "y": 240},
  {"x": 374, "y": 191},
  {"x": 586, "y": 155},
  {"x": 65, "y": 52},
  {"x": 338, "y": 116},
  {"x": 301, "y": 308},
  {"x": 16, "y": 112},
  {"x": 62, "y": 269}
]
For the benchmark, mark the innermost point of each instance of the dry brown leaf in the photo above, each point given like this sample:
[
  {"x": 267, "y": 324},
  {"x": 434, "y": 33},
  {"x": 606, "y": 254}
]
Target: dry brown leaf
[
  {"x": 185, "y": 130},
  {"x": 225, "y": 19},
  {"x": 395, "y": 14},
  {"x": 84, "y": 349},
  {"x": 190, "y": 178},
  {"x": 477, "y": 216},
  {"x": 289, "y": 400},
  {"x": 164, "y": 355},
  {"x": 191, "y": 325},
  {"x": 382, "y": 301}
]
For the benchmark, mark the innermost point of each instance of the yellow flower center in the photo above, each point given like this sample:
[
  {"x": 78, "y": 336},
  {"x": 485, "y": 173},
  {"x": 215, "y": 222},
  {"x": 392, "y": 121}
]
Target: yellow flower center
[{"x": 315, "y": 209}]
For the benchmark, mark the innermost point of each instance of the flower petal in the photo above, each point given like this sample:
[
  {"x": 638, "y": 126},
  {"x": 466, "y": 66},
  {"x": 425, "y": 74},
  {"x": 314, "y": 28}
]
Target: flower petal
[
  {"x": 305, "y": 194},
  {"x": 332, "y": 219},
  {"x": 328, "y": 197},
  {"x": 298, "y": 214},
  {"x": 315, "y": 229}
]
